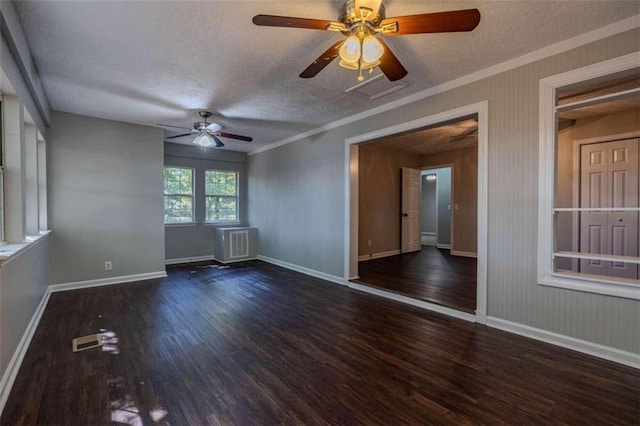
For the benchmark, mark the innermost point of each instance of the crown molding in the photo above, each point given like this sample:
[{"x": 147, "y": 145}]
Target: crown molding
[{"x": 619, "y": 27}]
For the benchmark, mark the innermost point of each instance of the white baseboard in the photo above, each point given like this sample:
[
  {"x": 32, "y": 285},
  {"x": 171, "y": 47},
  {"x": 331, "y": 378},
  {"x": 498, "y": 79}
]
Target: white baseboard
[
  {"x": 385, "y": 254},
  {"x": 611, "y": 354},
  {"x": 444, "y": 246},
  {"x": 179, "y": 260},
  {"x": 244, "y": 259},
  {"x": 13, "y": 367},
  {"x": 378, "y": 255},
  {"x": 107, "y": 281},
  {"x": 464, "y": 253},
  {"x": 413, "y": 302},
  {"x": 302, "y": 269}
]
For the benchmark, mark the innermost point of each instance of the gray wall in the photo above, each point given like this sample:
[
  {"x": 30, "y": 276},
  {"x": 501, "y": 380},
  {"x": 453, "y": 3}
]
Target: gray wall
[
  {"x": 185, "y": 241},
  {"x": 296, "y": 194},
  {"x": 296, "y": 200},
  {"x": 105, "y": 198},
  {"x": 444, "y": 206},
  {"x": 428, "y": 204},
  {"x": 443, "y": 193},
  {"x": 23, "y": 282}
]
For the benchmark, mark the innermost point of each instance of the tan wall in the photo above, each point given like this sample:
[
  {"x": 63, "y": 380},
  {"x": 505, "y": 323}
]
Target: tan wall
[
  {"x": 464, "y": 194},
  {"x": 612, "y": 124},
  {"x": 379, "y": 197}
]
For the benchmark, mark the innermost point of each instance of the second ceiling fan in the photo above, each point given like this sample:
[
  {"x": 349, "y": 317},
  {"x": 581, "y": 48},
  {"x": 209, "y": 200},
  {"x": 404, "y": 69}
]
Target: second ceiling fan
[
  {"x": 360, "y": 21},
  {"x": 207, "y": 134}
]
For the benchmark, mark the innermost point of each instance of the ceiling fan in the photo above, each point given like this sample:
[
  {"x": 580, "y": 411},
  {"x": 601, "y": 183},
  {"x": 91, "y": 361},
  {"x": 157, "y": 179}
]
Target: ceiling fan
[
  {"x": 360, "y": 21},
  {"x": 207, "y": 134}
]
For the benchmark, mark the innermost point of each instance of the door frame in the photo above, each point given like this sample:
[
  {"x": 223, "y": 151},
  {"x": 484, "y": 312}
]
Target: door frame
[
  {"x": 481, "y": 109},
  {"x": 451, "y": 219}
]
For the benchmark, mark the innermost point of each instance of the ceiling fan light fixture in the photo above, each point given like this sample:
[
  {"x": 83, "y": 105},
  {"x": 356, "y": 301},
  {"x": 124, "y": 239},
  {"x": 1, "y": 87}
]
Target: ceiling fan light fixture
[
  {"x": 349, "y": 65},
  {"x": 351, "y": 49},
  {"x": 204, "y": 140},
  {"x": 372, "y": 49},
  {"x": 369, "y": 65}
]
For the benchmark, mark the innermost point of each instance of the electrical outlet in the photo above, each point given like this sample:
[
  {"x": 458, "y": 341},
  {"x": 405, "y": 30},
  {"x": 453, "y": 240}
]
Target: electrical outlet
[
  {"x": 108, "y": 265},
  {"x": 369, "y": 243}
]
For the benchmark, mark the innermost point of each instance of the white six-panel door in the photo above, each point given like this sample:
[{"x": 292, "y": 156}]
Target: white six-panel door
[
  {"x": 411, "y": 193},
  {"x": 609, "y": 179}
]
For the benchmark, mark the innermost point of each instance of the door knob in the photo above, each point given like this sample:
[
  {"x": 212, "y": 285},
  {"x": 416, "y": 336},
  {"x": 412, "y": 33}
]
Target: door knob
[
  {"x": 619, "y": 219},
  {"x": 405, "y": 214}
]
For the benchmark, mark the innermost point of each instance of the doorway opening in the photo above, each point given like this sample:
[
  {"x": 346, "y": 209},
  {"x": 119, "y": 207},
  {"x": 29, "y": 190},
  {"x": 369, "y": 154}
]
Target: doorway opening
[
  {"x": 435, "y": 207},
  {"x": 385, "y": 251}
]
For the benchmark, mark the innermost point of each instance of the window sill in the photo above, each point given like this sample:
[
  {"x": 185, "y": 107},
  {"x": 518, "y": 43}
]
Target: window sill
[
  {"x": 222, "y": 223},
  {"x": 10, "y": 251},
  {"x": 625, "y": 288},
  {"x": 172, "y": 225}
]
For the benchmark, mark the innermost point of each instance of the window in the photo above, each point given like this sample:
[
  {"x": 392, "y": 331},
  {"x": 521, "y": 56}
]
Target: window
[
  {"x": 221, "y": 194},
  {"x": 589, "y": 184},
  {"x": 178, "y": 195}
]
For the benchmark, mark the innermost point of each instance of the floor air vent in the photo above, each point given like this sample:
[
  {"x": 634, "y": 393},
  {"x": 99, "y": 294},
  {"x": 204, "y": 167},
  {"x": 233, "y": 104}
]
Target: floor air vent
[{"x": 86, "y": 342}]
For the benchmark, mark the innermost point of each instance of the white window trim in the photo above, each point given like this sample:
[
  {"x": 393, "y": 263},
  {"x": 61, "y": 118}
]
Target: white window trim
[
  {"x": 546, "y": 182},
  {"x": 236, "y": 221},
  {"x": 193, "y": 196}
]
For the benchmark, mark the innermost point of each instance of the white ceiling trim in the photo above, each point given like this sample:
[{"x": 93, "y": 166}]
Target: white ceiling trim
[{"x": 554, "y": 49}]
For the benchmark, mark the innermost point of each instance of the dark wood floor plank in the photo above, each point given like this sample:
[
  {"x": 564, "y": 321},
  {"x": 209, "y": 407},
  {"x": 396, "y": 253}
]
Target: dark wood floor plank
[
  {"x": 257, "y": 344},
  {"x": 432, "y": 275}
]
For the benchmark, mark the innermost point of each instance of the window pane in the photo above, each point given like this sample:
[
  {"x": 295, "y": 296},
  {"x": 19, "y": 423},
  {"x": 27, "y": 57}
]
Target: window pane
[
  {"x": 597, "y": 170},
  {"x": 178, "y": 190},
  {"x": 221, "y": 209},
  {"x": 584, "y": 160},
  {"x": 220, "y": 183},
  {"x": 625, "y": 80},
  {"x": 178, "y": 209},
  {"x": 178, "y": 180}
]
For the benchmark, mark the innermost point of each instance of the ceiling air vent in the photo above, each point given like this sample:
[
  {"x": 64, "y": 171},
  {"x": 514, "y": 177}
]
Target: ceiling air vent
[{"x": 377, "y": 87}]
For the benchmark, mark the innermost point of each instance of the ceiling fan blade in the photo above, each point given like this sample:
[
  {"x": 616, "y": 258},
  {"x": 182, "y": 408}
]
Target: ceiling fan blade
[
  {"x": 232, "y": 136},
  {"x": 440, "y": 22},
  {"x": 177, "y": 127},
  {"x": 178, "y": 136},
  {"x": 390, "y": 65},
  {"x": 214, "y": 127},
  {"x": 291, "y": 22},
  {"x": 219, "y": 143},
  {"x": 323, "y": 60}
]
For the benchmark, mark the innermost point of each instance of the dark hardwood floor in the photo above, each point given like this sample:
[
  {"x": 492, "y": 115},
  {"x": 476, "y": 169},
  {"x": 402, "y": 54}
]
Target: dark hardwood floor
[
  {"x": 432, "y": 275},
  {"x": 258, "y": 344}
]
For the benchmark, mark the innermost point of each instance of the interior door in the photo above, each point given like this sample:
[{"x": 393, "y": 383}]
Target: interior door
[
  {"x": 410, "y": 222},
  {"x": 609, "y": 178}
]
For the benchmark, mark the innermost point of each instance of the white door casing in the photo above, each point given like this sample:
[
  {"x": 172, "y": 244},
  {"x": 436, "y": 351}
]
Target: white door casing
[{"x": 410, "y": 214}]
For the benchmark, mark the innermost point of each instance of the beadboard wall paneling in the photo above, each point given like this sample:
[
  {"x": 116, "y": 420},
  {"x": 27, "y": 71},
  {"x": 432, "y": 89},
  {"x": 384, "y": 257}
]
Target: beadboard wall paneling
[{"x": 296, "y": 198}]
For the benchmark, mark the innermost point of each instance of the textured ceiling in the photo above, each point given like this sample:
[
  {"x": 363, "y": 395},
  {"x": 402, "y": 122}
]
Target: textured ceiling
[
  {"x": 447, "y": 137},
  {"x": 162, "y": 61}
]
